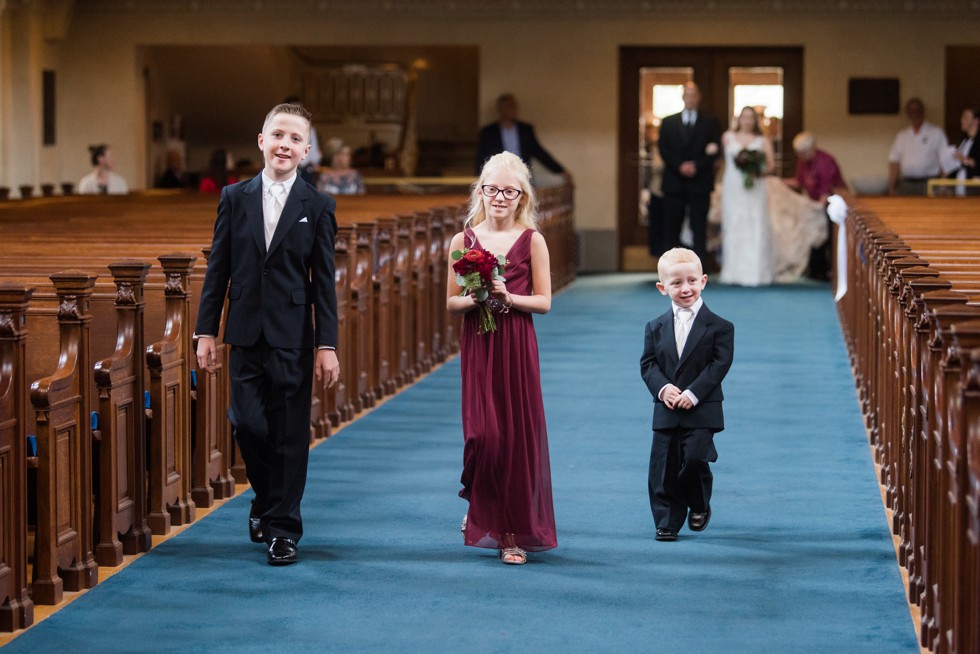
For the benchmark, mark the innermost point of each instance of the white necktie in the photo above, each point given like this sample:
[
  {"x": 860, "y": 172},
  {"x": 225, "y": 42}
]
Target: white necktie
[
  {"x": 682, "y": 326},
  {"x": 273, "y": 210}
]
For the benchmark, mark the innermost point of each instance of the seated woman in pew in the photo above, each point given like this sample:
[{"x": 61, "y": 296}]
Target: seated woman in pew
[
  {"x": 337, "y": 177},
  {"x": 102, "y": 180}
]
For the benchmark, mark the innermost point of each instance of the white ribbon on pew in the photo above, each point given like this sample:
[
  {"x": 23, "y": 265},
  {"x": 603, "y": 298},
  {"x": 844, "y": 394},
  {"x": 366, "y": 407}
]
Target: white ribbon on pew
[{"x": 837, "y": 210}]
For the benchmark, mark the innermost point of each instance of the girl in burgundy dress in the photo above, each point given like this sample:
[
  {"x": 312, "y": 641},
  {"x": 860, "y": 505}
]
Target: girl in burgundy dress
[{"x": 506, "y": 472}]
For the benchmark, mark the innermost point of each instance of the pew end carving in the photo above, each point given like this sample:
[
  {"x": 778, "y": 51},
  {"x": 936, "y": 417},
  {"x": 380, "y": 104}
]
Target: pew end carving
[
  {"x": 64, "y": 558},
  {"x": 16, "y": 606},
  {"x": 171, "y": 503}
]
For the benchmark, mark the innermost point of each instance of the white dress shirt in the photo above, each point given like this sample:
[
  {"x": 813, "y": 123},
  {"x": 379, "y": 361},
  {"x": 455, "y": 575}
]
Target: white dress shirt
[
  {"x": 510, "y": 139},
  {"x": 694, "y": 310},
  {"x": 919, "y": 155},
  {"x": 689, "y": 117},
  {"x": 89, "y": 185},
  {"x": 271, "y": 221}
]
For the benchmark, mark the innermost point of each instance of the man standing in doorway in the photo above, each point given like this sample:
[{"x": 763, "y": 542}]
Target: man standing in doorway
[
  {"x": 689, "y": 145},
  {"x": 511, "y": 135}
]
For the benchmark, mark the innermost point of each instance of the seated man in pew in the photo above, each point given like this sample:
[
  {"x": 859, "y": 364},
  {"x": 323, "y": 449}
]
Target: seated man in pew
[{"x": 272, "y": 256}]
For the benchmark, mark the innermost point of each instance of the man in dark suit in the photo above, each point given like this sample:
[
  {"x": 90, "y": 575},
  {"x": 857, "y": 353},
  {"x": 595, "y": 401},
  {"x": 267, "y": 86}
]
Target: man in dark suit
[
  {"x": 272, "y": 256},
  {"x": 689, "y": 145},
  {"x": 511, "y": 135},
  {"x": 687, "y": 352}
]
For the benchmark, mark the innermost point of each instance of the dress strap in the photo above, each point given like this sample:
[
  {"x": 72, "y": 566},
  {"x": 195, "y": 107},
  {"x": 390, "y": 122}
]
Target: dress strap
[{"x": 469, "y": 232}]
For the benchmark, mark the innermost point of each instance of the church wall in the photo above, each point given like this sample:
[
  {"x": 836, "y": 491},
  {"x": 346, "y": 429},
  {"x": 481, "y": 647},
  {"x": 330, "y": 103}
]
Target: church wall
[{"x": 564, "y": 72}]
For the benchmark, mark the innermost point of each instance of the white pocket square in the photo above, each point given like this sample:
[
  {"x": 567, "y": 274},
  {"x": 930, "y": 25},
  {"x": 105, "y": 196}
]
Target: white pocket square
[{"x": 304, "y": 220}]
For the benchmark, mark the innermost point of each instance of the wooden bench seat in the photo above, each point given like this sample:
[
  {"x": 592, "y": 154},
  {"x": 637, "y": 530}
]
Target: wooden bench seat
[{"x": 911, "y": 319}]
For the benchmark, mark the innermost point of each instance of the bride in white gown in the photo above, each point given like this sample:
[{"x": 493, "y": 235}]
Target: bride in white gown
[{"x": 746, "y": 232}]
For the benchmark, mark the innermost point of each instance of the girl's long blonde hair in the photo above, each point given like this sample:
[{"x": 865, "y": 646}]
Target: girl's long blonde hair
[{"x": 527, "y": 207}]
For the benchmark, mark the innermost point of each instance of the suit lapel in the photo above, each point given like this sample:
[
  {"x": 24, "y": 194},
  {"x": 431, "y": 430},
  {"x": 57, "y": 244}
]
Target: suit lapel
[
  {"x": 291, "y": 213},
  {"x": 698, "y": 330},
  {"x": 670, "y": 340},
  {"x": 253, "y": 211}
]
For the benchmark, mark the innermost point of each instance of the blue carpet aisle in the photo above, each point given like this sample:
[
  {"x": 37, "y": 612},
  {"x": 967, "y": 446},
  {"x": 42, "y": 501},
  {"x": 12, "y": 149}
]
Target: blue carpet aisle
[{"x": 797, "y": 557}]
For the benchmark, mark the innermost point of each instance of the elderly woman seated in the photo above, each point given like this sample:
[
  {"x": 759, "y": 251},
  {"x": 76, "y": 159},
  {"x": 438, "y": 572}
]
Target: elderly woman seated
[
  {"x": 336, "y": 176},
  {"x": 817, "y": 173},
  {"x": 819, "y": 177}
]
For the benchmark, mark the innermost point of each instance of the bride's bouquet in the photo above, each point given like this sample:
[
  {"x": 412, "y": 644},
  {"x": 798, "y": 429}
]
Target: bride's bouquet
[
  {"x": 476, "y": 269},
  {"x": 751, "y": 163}
]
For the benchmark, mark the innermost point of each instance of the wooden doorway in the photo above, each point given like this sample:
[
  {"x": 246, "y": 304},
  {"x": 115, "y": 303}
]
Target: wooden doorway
[
  {"x": 962, "y": 82},
  {"x": 719, "y": 71}
]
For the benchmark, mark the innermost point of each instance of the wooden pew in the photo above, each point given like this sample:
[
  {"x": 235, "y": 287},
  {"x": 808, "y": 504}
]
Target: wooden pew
[
  {"x": 122, "y": 505},
  {"x": 391, "y": 259},
  {"x": 16, "y": 606},
  {"x": 911, "y": 320},
  {"x": 64, "y": 441},
  {"x": 968, "y": 640},
  {"x": 169, "y": 361}
]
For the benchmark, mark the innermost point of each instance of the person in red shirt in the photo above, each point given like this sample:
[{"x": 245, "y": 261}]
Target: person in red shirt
[
  {"x": 817, "y": 173},
  {"x": 219, "y": 173},
  {"x": 819, "y": 176}
]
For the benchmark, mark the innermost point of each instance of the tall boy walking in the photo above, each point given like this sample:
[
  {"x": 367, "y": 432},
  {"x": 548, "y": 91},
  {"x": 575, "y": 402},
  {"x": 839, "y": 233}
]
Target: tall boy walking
[{"x": 272, "y": 255}]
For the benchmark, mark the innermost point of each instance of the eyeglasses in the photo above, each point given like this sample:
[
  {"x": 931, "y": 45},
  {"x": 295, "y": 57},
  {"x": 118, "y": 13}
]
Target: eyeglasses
[{"x": 508, "y": 193}]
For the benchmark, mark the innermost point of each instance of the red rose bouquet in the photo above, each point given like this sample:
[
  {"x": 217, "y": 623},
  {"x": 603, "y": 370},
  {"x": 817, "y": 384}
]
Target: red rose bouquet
[
  {"x": 476, "y": 269},
  {"x": 751, "y": 163}
]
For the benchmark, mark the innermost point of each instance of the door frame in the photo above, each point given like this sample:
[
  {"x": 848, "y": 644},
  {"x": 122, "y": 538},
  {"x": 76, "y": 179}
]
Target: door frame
[{"x": 710, "y": 64}]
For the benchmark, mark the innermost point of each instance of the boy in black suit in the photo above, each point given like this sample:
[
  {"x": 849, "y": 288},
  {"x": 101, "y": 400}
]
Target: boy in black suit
[
  {"x": 686, "y": 354},
  {"x": 272, "y": 256}
]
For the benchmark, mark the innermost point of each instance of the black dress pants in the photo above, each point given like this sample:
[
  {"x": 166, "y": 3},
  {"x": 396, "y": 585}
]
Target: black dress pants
[
  {"x": 695, "y": 204},
  {"x": 271, "y": 390},
  {"x": 680, "y": 478}
]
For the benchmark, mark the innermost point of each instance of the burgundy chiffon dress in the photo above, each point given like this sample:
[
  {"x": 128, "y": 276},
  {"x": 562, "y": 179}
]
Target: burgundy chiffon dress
[{"x": 506, "y": 471}]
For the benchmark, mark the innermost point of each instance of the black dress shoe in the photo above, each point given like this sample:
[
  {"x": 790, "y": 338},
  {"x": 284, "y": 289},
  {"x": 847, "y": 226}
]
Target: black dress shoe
[
  {"x": 698, "y": 521},
  {"x": 282, "y": 551},
  {"x": 255, "y": 529},
  {"x": 665, "y": 533}
]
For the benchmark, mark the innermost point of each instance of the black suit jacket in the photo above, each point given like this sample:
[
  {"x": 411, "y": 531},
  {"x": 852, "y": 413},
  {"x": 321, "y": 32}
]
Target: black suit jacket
[
  {"x": 702, "y": 366},
  {"x": 678, "y": 145},
  {"x": 491, "y": 143},
  {"x": 974, "y": 170},
  {"x": 277, "y": 293}
]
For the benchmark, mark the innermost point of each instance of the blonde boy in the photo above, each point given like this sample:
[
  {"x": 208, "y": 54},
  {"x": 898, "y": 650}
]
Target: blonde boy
[{"x": 687, "y": 352}]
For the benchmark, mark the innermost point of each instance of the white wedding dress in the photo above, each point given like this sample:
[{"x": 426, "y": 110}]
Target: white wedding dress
[{"x": 746, "y": 232}]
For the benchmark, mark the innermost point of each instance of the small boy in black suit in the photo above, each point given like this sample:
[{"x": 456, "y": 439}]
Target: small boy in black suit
[{"x": 686, "y": 355}]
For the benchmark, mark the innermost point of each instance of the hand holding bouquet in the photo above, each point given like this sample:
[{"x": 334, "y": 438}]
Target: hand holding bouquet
[
  {"x": 751, "y": 163},
  {"x": 476, "y": 269}
]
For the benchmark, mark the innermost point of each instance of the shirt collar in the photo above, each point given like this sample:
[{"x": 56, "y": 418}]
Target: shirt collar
[
  {"x": 268, "y": 181},
  {"x": 694, "y": 308}
]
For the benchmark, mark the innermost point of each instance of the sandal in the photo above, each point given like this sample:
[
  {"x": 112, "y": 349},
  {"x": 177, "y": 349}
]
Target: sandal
[{"x": 513, "y": 556}]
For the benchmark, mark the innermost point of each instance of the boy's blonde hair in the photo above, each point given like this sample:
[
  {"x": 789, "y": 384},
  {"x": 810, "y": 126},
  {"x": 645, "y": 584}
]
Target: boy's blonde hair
[
  {"x": 675, "y": 256},
  {"x": 293, "y": 110},
  {"x": 527, "y": 207}
]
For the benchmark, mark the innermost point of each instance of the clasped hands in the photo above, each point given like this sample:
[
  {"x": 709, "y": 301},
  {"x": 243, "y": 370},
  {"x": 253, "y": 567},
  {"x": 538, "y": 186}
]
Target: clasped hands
[
  {"x": 674, "y": 398},
  {"x": 499, "y": 292},
  {"x": 688, "y": 169}
]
